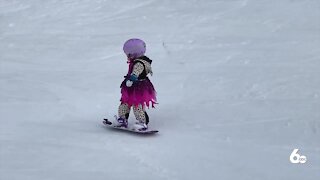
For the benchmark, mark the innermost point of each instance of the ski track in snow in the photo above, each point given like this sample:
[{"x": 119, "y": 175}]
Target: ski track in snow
[
  {"x": 162, "y": 172},
  {"x": 128, "y": 10}
]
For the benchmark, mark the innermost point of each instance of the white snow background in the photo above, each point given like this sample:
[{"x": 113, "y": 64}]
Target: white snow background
[{"x": 238, "y": 86}]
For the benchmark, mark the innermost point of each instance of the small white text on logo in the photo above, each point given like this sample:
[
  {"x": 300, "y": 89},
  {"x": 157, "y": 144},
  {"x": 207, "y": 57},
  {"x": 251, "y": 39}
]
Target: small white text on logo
[{"x": 297, "y": 158}]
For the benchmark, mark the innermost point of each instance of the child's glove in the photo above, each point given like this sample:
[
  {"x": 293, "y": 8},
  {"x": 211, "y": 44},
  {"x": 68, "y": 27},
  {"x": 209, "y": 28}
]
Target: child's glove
[
  {"x": 133, "y": 78},
  {"x": 129, "y": 83}
]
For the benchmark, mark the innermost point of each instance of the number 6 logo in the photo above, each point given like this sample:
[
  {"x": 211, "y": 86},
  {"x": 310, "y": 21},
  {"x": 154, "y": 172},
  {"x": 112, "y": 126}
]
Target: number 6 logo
[{"x": 296, "y": 158}]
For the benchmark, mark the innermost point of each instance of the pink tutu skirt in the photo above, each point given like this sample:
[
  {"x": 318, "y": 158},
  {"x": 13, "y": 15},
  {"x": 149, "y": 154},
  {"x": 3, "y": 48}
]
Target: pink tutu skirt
[{"x": 141, "y": 92}]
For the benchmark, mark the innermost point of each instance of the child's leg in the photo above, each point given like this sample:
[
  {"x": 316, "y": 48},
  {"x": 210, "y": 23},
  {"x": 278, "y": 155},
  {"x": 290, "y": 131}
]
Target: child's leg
[
  {"x": 124, "y": 111},
  {"x": 140, "y": 114}
]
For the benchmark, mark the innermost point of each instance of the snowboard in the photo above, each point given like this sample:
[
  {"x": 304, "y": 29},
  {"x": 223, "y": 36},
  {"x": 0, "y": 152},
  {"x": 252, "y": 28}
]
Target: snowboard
[{"x": 148, "y": 131}]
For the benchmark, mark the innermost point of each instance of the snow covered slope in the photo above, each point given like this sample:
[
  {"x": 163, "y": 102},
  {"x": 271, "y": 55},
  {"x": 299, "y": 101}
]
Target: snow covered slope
[{"x": 238, "y": 84}]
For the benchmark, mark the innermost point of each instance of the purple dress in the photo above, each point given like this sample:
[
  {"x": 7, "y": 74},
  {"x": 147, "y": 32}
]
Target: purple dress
[{"x": 142, "y": 91}]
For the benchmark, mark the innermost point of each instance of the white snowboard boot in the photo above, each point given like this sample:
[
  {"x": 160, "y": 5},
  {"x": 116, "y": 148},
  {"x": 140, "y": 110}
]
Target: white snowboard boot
[{"x": 140, "y": 126}]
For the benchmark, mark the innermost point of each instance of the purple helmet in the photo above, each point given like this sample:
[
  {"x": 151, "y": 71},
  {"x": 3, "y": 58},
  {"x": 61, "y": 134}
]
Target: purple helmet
[{"x": 134, "y": 48}]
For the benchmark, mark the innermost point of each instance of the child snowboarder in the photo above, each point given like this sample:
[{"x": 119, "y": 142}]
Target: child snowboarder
[{"x": 137, "y": 91}]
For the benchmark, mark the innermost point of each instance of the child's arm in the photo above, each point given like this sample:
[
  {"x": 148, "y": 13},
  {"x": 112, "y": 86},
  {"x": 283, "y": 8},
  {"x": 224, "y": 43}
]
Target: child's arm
[{"x": 137, "y": 70}]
